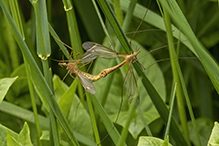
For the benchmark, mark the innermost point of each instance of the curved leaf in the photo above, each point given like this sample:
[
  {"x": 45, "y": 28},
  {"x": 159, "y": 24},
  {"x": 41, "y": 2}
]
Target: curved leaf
[
  {"x": 5, "y": 84},
  {"x": 114, "y": 97}
]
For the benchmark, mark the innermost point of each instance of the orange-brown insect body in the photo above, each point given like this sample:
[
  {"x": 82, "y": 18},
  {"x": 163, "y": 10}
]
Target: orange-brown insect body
[
  {"x": 72, "y": 68},
  {"x": 128, "y": 59}
]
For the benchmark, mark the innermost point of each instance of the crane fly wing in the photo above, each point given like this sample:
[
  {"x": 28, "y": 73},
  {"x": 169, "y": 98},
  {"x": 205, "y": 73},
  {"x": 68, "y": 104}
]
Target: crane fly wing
[
  {"x": 94, "y": 50},
  {"x": 91, "y": 52},
  {"x": 131, "y": 86},
  {"x": 88, "y": 45},
  {"x": 86, "y": 83}
]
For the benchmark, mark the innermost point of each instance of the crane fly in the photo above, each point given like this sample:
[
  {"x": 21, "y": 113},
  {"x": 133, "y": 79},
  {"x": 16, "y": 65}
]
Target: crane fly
[
  {"x": 86, "y": 79},
  {"x": 83, "y": 78},
  {"x": 95, "y": 49},
  {"x": 92, "y": 51},
  {"x": 129, "y": 80}
]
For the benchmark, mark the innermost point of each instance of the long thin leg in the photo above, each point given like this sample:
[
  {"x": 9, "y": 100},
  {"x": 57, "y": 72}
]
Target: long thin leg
[
  {"x": 117, "y": 117},
  {"x": 66, "y": 75},
  {"x": 85, "y": 64}
]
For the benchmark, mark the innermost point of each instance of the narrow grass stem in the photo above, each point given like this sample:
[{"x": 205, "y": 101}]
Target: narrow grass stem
[
  {"x": 171, "y": 110},
  {"x": 73, "y": 27},
  {"x": 38, "y": 80},
  {"x": 32, "y": 96},
  {"x": 93, "y": 120},
  {"x": 175, "y": 64},
  {"x": 130, "y": 115}
]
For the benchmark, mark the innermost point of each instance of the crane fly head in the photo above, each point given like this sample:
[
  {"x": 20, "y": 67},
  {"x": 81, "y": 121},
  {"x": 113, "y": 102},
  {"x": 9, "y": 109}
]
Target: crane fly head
[
  {"x": 69, "y": 65},
  {"x": 62, "y": 64},
  {"x": 131, "y": 57}
]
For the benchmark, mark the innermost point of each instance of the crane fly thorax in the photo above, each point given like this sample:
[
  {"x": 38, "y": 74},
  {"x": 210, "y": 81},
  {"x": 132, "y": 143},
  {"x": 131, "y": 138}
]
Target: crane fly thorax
[
  {"x": 131, "y": 57},
  {"x": 71, "y": 66}
]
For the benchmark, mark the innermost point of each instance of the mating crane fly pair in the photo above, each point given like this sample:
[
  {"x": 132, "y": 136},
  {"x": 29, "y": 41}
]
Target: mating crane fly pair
[{"x": 93, "y": 50}]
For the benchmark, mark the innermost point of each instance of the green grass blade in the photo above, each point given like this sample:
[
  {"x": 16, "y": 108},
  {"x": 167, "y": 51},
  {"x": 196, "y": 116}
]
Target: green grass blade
[
  {"x": 33, "y": 101},
  {"x": 16, "y": 15},
  {"x": 130, "y": 116},
  {"x": 117, "y": 47},
  {"x": 42, "y": 29},
  {"x": 24, "y": 114},
  {"x": 210, "y": 65},
  {"x": 44, "y": 51},
  {"x": 73, "y": 27},
  {"x": 110, "y": 78},
  {"x": 93, "y": 120},
  {"x": 112, "y": 131},
  {"x": 118, "y": 11},
  {"x": 161, "y": 107},
  {"x": 115, "y": 25},
  {"x": 173, "y": 95},
  {"x": 61, "y": 45},
  {"x": 38, "y": 80},
  {"x": 146, "y": 126},
  {"x": 175, "y": 65},
  {"x": 44, "y": 122},
  {"x": 156, "y": 99},
  {"x": 155, "y": 20},
  {"x": 91, "y": 24}
]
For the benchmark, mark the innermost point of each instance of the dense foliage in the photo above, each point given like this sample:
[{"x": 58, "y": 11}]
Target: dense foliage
[{"x": 39, "y": 108}]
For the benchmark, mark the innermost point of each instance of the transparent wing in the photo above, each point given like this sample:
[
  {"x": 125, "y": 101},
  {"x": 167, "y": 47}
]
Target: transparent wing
[
  {"x": 94, "y": 50},
  {"x": 86, "y": 83},
  {"x": 88, "y": 45},
  {"x": 131, "y": 86}
]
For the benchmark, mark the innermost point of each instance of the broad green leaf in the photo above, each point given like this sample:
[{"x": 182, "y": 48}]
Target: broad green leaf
[
  {"x": 150, "y": 141},
  {"x": 5, "y": 84},
  {"x": 39, "y": 81},
  {"x": 19, "y": 93},
  {"x": 136, "y": 125},
  {"x": 24, "y": 136},
  {"x": 22, "y": 139},
  {"x": 114, "y": 97},
  {"x": 154, "y": 95},
  {"x": 3, "y": 135},
  {"x": 68, "y": 98},
  {"x": 214, "y": 138},
  {"x": 59, "y": 87},
  {"x": 209, "y": 63},
  {"x": 166, "y": 141},
  {"x": 78, "y": 117},
  {"x": 11, "y": 141},
  {"x": 204, "y": 127},
  {"x": 72, "y": 108}
]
